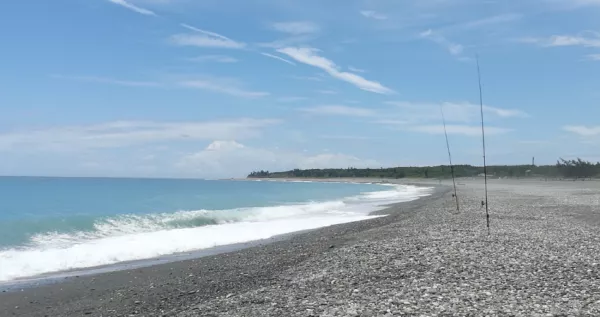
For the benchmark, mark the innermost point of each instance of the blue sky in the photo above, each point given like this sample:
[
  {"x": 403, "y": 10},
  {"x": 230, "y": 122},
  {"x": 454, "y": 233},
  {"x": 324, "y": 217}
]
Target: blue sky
[{"x": 186, "y": 88}]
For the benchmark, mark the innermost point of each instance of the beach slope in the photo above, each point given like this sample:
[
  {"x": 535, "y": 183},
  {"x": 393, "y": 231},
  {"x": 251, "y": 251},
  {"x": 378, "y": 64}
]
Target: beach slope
[{"x": 542, "y": 258}]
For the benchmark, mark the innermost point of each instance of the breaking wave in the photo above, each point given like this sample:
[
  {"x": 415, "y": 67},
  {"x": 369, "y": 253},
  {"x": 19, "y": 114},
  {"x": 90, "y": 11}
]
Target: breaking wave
[{"x": 135, "y": 237}]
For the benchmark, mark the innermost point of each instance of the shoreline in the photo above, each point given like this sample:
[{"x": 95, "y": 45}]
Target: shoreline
[
  {"x": 61, "y": 276},
  {"x": 120, "y": 292},
  {"x": 541, "y": 259}
]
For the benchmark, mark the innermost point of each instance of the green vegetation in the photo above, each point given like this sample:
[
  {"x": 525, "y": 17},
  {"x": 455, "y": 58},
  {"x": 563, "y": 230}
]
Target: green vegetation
[{"x": 563, "y": 169}]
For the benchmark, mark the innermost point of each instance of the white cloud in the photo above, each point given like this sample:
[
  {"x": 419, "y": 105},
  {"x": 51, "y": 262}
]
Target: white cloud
[
  {"x": 455, "y": 112},
  {"x": 289, "y": 41},
  {"x": 291, "y": 99},
  {"x": 327, "y": 92},
  {"x": 467, "y": 130},
  {"x": 373, "y": 15},
  {"x": 493, "y": 20},
  {"x": 345, "y": 137},
  {"x": 310, "y": 57},
  {"x": 278, "y": 58},
  {"x": 583, "y": 130},
  {"x": 214, "y": 58},
  {"x": 132, "y": 7},
  {"x": 534, "y": 142},
  {"x": 574, "y": 4},
  {"x": 590, "y": 2},
  {"x": 233, "y": 159},
  {"x": 296, "y": 27},
  {"x": 594, "y": 57},
  {"x": 310, "y": 78},
  {"x": 129, "y": 133},
  {"x": 463, "y": 118},
  {"x": 504, "y": 113},
  {"x": 224, "y": 146},
  {"x": 340, "y": 110},
  {"x": 356, "y": 70},
  {"x": 565, "y": 40},
  {"x": 223, "y": 86},
  {"x": 392, "y": 122},
  {"x": 205, "y": 32},
  {"x": 110, "y": 81},
  {"x": 453, "y": 48},
  {"x": 204, "y": 39}
]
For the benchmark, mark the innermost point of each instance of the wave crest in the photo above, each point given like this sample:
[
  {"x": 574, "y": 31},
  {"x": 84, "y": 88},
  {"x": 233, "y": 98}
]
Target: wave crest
[{"x": 136, "y": 237}]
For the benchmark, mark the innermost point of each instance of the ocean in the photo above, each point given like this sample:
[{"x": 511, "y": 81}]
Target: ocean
[{"x": 50, "y": 225}]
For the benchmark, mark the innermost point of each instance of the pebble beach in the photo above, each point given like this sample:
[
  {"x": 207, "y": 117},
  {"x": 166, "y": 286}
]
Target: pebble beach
[{"x": 541, "y": 257}]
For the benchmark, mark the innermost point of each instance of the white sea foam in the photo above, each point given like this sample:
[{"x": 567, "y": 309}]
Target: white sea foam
[{"x": 128, "y": 238}]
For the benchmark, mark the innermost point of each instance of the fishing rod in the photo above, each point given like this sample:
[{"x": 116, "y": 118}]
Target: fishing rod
[
  {"x": 450, "y": 157},
  {"x": 487, "y": 213}
]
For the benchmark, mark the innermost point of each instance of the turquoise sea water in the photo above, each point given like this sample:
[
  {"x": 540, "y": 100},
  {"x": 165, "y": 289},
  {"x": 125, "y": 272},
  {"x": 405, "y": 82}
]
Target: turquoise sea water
[{"x": 55, "y": 224}]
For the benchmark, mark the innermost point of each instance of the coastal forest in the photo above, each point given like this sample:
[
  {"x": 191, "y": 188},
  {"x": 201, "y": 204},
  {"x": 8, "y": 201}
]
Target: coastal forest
[{"x": 575, "y": 169}]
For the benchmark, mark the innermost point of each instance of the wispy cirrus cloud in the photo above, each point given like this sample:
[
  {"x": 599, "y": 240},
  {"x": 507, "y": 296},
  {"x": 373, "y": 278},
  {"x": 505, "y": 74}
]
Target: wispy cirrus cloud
[
  {"x": 289, "y": 41},
  {"x": 296, "y": 27},
  {"x": 345, "y": 137},
  {"x": 214, "y": 58},
  {"x": 309, "y": 56},
  {"x": 327, "y": 92},
  {"x": 204, "y": 41},
  {"x": 582, "y": 130},
  {"x": 203, "y": 38},
  {"x": 109, "y": 81},
  {"x": 291, "y": 99},
  {"x": 463, "y": 118},
  {"x": 339, "y": 110},
  {"x": 572, "y": 4},
  {"x": 485, "y": 22},
  {"x": 278, "y": 58},
  {"x": 586, "y": 2},
  {"x": 453, "y": 48},
  {"x": 356, "y": 70},
  {"x": 129, "y": 133},
  {"x": 223, "y": 86},
  {"x": 467, "y": 130},
  {"x": 594, "y": 57},
  {"x": 373, "y": 15},
  {"x": 134, "y": 8},
  {"x": 309, "y": 78},
  {"x": 504, "y": 113},
  {"x": 593, "y": 40},
  {"x": 455, "y": 111}
]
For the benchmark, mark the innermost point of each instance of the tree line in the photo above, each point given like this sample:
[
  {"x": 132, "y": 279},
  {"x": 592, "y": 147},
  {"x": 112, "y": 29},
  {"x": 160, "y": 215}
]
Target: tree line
[{"x": 577, "y": 168}]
